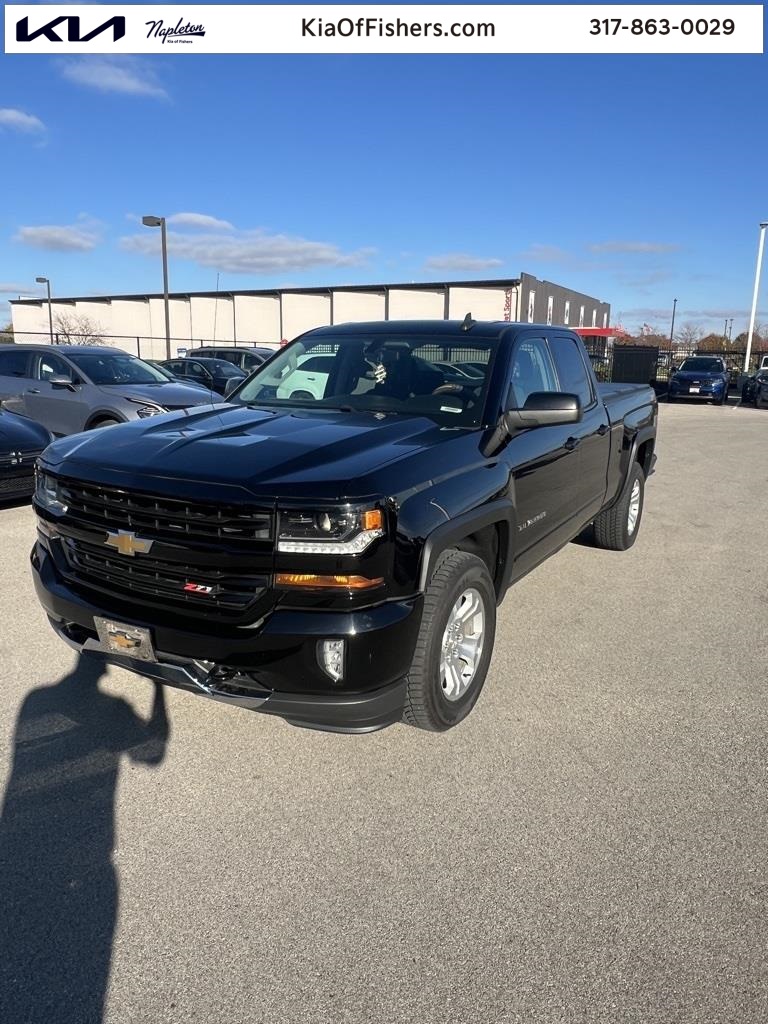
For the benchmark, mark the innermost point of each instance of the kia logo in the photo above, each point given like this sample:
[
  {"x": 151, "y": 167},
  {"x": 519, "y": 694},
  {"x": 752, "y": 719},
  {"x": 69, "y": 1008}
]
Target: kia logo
[{"x": 23, "y": 35}]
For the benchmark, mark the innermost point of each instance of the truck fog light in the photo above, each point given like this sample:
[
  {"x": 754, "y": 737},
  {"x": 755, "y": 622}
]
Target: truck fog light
[{"x": 330, "y": 654}]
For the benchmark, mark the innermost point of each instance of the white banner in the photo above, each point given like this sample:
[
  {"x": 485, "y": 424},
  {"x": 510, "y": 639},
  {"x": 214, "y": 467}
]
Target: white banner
[{"x": 405, "y": 28}]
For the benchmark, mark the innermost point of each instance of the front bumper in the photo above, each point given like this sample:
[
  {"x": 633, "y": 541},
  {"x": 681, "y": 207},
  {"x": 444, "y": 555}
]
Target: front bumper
[
  {"x": 709, "y": 393},
  {"x": 271, "y": 667}
]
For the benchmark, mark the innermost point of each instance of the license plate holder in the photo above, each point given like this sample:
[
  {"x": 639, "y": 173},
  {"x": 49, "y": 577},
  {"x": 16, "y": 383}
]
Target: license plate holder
[
  {"x": 694, "y": 391},
  {"x": 122, "y": 638}
]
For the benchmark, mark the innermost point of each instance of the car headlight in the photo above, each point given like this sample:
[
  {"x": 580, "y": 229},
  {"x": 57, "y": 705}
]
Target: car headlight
[
  {"x": 48, "y": 493},
  {"x": 149, "y": 410},
  {"x": 337, "y": 531}
]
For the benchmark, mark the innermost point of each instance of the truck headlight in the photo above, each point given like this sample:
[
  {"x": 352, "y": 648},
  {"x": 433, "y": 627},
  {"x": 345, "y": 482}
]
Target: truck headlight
[
  {"x": 48, "y": 494},
  {"x": 338, "y": 531}
]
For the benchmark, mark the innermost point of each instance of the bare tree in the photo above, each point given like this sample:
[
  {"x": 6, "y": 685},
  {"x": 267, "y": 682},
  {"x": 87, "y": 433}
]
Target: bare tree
[
  {"x": 688, "y": 335},
  {"x": 78, "y": 329}
]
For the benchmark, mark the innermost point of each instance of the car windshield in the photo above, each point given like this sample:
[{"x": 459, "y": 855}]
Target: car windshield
[
  {"x": 400, "y": 374},
  {"x": 701, "y": 364},
  {"x": 117, "y": 368},
  {"x": 223, "y": 369}
]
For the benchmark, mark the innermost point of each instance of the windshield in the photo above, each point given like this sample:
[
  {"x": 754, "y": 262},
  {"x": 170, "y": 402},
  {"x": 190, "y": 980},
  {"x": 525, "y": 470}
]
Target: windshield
[
  {"x": 223, "y": 369},
  {"x": 403, "y": 374},
  {"x": 701, "y": 364},
  {"x": 117, "y": 368}
]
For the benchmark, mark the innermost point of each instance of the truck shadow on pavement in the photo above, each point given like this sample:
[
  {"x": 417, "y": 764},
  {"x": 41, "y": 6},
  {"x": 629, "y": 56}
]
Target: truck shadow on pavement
[{"x": 58, "y": 886}]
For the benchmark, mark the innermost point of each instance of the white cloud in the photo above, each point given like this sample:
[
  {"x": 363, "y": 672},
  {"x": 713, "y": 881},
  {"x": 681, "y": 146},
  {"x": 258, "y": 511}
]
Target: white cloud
[
  {"x": 80, "y": 237},
  {"x": 15, "y": 288},
  {"x": 18, "y": 121},
  {"x": 545, "y": 253},
  {"x": 246, "y": 252},
  {"x": 201, "y": 221},
  {"x": 461, "y": 261},
  {"x": 128, "y": 75},
  {"x": 617, "y": 246}
]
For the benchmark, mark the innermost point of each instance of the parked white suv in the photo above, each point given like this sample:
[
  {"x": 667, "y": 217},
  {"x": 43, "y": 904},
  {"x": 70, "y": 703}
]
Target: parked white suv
[{"x": 309, "y": 378}]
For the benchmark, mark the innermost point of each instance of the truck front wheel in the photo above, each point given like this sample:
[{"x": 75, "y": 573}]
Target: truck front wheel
[
  {"x": 616, "y": 528},
  {"x": 455, "y": 643}
]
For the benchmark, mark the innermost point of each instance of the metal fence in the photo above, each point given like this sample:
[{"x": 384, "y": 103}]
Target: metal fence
[
  {"x": 602, "y": 359},
  {"x": 600, "y": 353},
  {"x": 146, "y": 346}
]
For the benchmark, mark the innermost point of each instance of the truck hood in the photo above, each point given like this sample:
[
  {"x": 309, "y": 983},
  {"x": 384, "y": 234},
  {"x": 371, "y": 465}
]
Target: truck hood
[
  {"x": 19, "y": 434},
  {"x": 267, "y": 452},
  {"x": 166, "y": 393}
]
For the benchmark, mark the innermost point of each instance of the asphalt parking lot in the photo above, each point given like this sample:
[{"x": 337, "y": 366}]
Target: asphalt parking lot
[{"x": 590, "y": 845}]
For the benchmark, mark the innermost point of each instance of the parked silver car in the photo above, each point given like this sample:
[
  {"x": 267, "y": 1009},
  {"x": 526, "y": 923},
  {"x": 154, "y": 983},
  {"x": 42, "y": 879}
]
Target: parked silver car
[{"x": 71, "y": 388}]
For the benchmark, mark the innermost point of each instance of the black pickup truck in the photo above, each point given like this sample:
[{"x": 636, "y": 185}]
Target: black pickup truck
[{"x": 331, "y": 545}]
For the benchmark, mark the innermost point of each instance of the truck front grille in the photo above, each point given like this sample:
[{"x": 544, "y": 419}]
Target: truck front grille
[
  {"x": 164, "y": 583},
  {"x": 160, "y": 518}
]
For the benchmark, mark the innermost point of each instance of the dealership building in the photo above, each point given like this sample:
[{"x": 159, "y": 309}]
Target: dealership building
[{"x": 137, "y": 322}]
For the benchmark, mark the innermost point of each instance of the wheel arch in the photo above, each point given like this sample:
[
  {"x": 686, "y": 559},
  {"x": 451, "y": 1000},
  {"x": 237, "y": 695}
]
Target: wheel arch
[
  {"x": 103, "y": 414},
  {"x": 486, "y": 532}
]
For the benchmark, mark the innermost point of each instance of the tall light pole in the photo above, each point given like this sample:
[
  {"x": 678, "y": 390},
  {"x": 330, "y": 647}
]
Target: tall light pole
[
  {"x": 761, "y": 243},
  {"x": 45, "y": 281},
  {"x": 159, "y": 222},
  {"x": 730, "y": 328},
  {"x": 672, "y": 328}
]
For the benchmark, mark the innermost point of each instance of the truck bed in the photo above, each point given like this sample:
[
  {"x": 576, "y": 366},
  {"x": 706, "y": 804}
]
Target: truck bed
[{"x": 621, "y": 399}]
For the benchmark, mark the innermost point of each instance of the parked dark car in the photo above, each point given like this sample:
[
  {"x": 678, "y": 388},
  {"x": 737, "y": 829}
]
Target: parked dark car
[
  {"x": 69, "y": 388},
  {"x": 338, "y": 560},
  {"x": 755, "y": 390},
  {"x": 175, "y": 376},
  {"x": 700, "y": 377},
  {"x": 21, "y": 442},
  {"x": 215, "y": 374},
  {"x": 247, "y": 359}
]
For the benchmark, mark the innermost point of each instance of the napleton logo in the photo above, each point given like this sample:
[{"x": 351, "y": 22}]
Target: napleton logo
[
  {"x": 178, "y": 33},
  {"x": 23, "y": 35},
  {"x": 128, "y": 543}
]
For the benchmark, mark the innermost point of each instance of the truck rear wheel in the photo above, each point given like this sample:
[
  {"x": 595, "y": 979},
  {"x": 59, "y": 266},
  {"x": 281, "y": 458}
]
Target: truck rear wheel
[
  {"x": 455, "y": 643},
  {"x": 616, "y": 528}
]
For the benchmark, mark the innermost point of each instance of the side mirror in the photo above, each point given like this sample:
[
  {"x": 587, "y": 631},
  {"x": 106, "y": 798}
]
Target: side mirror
[
  {"x": 544, "y": 409},
  {"x": 541, "y": 409},
  {"x": 231, "y": 384},
  {"x": 60, "y": 380}
]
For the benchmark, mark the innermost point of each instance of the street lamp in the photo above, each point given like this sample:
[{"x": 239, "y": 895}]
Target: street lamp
[
  {"x": 763, "y": 226},
  {"x": 672, "y": 328},
  {"x": 159, "y": 222},
  {"x": 45, "y": 281}
]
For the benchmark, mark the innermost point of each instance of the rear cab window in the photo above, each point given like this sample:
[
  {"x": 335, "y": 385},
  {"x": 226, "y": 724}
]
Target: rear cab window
[{"x": 572, "y": 374}]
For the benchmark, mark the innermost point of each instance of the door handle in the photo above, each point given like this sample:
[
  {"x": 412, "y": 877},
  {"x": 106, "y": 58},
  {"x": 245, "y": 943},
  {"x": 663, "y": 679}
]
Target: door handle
[
  {"x": 603, "y": 429},
  {"x": 572, "y": 443},
  {"x": 33, "y": 391}
]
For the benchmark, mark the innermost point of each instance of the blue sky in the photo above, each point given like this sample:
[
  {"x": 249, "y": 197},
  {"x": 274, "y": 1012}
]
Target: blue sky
[{"x": 635, "y": 179}]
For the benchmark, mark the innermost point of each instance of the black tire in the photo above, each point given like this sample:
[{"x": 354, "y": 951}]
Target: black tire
[
  {"x": 106, "y": 422},
  {"x": 426, "y": 705},
  {"x": 670, "y": 397},
  {"x": 723, "y": 399},
  {"x": 612, "y": 526}
]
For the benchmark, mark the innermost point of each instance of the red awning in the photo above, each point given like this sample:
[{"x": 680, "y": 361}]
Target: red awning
[{"x": 600, "y": 332}]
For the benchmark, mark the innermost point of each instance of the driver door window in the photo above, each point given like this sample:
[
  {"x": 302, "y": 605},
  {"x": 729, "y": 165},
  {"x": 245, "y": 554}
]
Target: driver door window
[
  {"x": 532, "y": 371},
  {"x": 52, "y": 366}
]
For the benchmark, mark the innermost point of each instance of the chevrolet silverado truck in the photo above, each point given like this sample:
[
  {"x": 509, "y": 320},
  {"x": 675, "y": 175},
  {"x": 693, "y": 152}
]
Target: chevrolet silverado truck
[{"x": 338, "y": 560}]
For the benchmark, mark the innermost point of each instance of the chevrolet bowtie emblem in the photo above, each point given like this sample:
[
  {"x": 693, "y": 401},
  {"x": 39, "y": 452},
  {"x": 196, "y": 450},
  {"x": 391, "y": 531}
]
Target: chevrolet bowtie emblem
[{"x": 128, "y": 543}]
